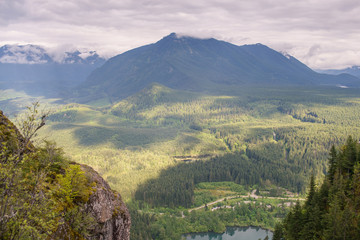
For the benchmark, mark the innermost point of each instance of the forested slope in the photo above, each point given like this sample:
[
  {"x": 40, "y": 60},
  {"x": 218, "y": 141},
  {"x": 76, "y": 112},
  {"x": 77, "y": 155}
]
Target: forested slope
[{"x": 332, "y": 210}]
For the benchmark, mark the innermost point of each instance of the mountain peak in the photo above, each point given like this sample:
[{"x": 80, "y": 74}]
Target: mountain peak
[
  {"x": 200, "y": 65},
  {"x": 179, "y": 36},
  {"x": 172, "y": 35}
]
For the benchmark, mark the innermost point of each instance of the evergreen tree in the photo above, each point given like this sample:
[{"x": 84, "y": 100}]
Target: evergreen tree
[
  {"x": 333, "y": 211},
  {"x": 332, "y": 163},
  {"x": 279, "y": 232}
]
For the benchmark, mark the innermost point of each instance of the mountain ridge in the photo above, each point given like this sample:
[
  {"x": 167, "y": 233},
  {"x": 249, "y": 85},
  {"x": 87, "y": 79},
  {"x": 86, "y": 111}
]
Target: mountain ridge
[
  {"x": 35, "y": 54},
  {"x": 33, "y": 69},
  {"x": 193, "y": 64},
  {"x": 354, "y": 70}
]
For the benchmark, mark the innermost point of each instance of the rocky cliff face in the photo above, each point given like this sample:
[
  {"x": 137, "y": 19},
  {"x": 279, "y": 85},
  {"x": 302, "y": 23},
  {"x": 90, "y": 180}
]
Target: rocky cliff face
[{"x": 107, "y": 207}]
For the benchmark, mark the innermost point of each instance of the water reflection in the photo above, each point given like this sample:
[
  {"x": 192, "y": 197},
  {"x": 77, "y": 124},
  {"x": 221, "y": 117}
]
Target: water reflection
[{"x": 233, "y": 233}]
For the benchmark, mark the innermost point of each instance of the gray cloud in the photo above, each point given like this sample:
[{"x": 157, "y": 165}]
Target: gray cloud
[
  {"x": 11, "y": 10},
  {"x": 112, "y": 26}
]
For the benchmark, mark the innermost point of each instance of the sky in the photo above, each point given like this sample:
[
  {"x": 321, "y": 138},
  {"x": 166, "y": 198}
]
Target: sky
[{"x": 323, "y": 34}]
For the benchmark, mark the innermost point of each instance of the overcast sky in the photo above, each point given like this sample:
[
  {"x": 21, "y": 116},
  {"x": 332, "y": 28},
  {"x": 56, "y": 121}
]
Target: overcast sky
[{"x": 320, "y": 33}]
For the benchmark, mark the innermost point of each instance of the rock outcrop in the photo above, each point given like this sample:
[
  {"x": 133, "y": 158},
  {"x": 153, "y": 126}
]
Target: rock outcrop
[
  {"x": 105, "y": 206},
  {"x": 108, "y": 209}
]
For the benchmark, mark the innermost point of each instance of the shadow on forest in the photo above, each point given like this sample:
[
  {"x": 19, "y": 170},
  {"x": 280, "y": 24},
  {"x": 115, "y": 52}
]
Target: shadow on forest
[
  {"x": 175, "y": 185},
  {"x": 122, "y": 137}
]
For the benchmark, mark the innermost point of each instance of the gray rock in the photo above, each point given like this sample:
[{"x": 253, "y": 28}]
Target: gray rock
[{"x": 108, "y": 209}]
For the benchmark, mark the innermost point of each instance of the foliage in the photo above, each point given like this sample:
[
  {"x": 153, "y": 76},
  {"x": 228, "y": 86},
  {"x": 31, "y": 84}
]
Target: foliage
[
  {"x": 175, "y": 186},
  {"x": 147, "y": 225},
  {"x": 41, "y": 192},
  {"x": 132, "y": 141},
  {"x": 331, "y": 211},
  {"x": 155, "y": 134}
]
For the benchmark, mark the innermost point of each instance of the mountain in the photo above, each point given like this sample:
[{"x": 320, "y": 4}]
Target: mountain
[
  {"x": 24, "y": 54},
  {"x": 354, "y": 70},
  {"x": 33, "y": 54},
  {"x": 33, "y": 69},
  {"x": 151, "y": 96},
  {"x": 187, "y": 63}
]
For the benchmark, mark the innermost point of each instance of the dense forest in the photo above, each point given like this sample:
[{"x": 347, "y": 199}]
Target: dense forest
[
  {"x": 332, "y": 210},
  {"x": 157, "y": 146},
  {"x": 175, "y": 186},
  {"x": 143, "y": 136}
]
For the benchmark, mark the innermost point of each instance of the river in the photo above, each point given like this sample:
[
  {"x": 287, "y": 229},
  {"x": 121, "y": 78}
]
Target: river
[{"x": 233, "y": 233}]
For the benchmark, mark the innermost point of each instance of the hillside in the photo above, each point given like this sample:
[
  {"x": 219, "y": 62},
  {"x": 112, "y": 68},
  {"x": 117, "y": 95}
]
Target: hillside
[
  {"x": 201, "y": 65},
  {"x": 332, "y": 210},
  {"x": 45, "y": 196},
  {"x": 157, "y": 145}
]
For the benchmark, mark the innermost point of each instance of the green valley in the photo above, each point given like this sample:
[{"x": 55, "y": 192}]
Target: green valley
[
  {"x": 192, "y": 131},
  {"x": 157, "y": 146}
]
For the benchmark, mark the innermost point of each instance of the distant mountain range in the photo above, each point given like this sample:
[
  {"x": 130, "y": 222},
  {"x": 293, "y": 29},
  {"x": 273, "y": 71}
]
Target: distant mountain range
[
  {"x": 354, "y": 70},
  {"x": 33, "y": 54},
  {"x": 186, "y": 63},
  {"x": 32, "y": 69}
]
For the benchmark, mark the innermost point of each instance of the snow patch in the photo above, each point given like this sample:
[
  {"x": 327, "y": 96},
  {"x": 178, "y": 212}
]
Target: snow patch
[
  {"x": 342, "y": 86},
  {"x": 85, "y": 54},
  {"x": 285, "y": 54},
  {"x": 32, "y": 54},
  {"x": 27, "y": 54}
]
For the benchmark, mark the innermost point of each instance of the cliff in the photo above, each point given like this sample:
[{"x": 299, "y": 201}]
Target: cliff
[
  {"x": 112, "y": 216},
  {"x": 51, "y": 197}
]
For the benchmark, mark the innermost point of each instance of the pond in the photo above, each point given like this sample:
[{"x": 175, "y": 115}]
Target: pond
[{"x": 233, "y": 233}]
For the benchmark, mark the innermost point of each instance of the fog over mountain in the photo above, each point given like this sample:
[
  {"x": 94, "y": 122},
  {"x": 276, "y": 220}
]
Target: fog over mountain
[
  {"x": 322, "y": 34},
  {"x": 354, "y": 70},
  {"x": 35, "y": 70},
  {"x": 33, "y": 54}
]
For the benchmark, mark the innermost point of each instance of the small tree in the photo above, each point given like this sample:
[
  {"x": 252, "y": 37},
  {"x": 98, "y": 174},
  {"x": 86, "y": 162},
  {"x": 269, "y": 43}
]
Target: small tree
[{"x": 31, "y": 121}]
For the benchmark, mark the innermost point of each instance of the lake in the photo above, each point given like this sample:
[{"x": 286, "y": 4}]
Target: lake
[{"x": 233, "y": 233}]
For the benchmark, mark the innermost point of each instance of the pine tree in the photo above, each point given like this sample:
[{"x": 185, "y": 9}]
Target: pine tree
[
  {"x": 279, "y": 232},
  {"x": 332, "y": 163},
  {"x": 312, "y": 191}
]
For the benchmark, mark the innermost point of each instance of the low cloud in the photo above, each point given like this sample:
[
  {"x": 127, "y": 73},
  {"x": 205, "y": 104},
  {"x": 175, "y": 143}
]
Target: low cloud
[{"x": 297, "y": 27}]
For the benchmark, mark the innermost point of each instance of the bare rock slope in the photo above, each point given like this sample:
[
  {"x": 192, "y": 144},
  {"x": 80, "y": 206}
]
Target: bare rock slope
[{"x": 108, "y": 209}]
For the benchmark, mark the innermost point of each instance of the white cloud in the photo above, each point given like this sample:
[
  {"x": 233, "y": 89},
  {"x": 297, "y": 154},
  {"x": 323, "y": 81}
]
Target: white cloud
[
  {"x": 27, "y": 54},
  {"x": 58, "y": 53},
  {"x": 112, "y": 26}
]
